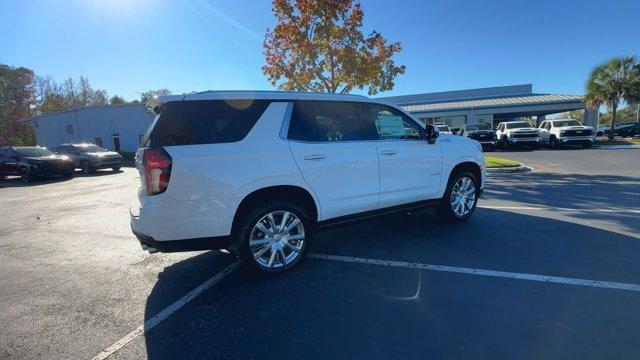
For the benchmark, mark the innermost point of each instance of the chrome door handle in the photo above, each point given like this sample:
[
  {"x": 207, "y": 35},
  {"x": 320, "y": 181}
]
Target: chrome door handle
[
  {"x": 315, "y": 157},
  {"x": 388, "y": 152}
]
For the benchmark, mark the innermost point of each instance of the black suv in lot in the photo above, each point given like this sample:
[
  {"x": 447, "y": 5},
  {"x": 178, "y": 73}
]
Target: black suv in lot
[
  {"x": 30, "y": 162},
  {"x": 90, "y": 157},
  {"x": 482, "y": 133}
]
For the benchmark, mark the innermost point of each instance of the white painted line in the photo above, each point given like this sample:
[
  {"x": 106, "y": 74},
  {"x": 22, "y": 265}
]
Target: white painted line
[
  {"x": 483, "y": 272},
  {"x": 540, "y": 208},
  {"x": 168, "y": 311}
]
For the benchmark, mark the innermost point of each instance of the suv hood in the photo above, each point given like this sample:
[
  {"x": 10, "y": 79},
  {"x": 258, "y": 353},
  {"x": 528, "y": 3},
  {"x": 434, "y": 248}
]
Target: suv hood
[
  {"x": 574, "y": 128},
  {"x": 103, "y": 153}
]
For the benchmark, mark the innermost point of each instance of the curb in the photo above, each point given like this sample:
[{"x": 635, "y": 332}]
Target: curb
[
  {"x": 509, "y": 170},
  {"x": 616, "y": 147}
]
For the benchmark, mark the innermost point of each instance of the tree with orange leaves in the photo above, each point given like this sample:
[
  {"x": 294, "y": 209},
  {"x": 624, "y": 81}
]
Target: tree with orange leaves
[{"x": 318, "y": 45}]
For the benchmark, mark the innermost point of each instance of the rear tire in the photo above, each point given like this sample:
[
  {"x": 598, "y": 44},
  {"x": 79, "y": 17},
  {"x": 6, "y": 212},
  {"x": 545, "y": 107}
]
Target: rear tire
[
  {"x": 116, "y": 168},
  {"x": 460, "y": 198},
  {"x": 265, "y": 244}
]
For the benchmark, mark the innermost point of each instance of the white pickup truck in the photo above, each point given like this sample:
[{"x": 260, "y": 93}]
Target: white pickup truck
[
  {"x": 556, "y": 133},
  {"x": 518, "y": 133}
]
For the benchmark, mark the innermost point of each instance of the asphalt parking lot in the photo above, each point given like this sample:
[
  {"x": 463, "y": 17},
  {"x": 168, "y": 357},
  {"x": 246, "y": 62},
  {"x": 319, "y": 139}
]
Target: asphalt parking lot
[{"x": 546, "y": 268}]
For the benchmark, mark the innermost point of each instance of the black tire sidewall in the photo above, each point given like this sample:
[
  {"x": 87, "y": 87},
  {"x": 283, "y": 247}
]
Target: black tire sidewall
[
  {"x": 244, "y": 233},
  {"x": 445, "y": 209}
]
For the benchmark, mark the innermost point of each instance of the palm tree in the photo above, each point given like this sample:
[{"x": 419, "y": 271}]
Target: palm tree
[{"x": 611, "y": 82}]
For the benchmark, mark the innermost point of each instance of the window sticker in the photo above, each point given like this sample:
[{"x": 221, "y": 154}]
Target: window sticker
[{"x": 390, "y": 126}]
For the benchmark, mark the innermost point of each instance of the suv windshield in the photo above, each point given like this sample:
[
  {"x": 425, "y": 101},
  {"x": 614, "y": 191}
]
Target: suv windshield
[
  {"x": 564, "y": 123},
  {"x": 33, "y": 152},
  {"x": 474, "y": 127},
  {"x": 518, "y": 125},
  {"x": 89, "y": 148}
]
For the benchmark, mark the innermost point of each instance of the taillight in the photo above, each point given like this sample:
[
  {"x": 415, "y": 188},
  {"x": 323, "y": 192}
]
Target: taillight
[{"x": 157, "y": 170}]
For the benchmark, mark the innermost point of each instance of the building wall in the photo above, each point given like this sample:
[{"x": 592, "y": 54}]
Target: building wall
[{"x": 86, "y": 124}]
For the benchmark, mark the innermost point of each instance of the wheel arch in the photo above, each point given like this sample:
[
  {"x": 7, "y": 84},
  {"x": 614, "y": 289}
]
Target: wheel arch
[
  {"x": 293, "y": 193},
  {"x": 470, "y": 166}
]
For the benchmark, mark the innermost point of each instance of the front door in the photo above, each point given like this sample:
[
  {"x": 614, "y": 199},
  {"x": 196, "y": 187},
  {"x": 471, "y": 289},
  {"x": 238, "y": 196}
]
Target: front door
[
  {"x": 410, "y": 167},
  {"x": 335, "y": 156}
]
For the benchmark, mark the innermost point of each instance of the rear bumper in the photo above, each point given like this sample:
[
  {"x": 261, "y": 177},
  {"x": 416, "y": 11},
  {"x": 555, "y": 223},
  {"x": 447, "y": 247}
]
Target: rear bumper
[{"x": 209, "y": 243}]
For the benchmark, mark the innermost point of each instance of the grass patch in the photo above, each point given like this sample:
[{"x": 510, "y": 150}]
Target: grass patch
[
  {"x": 496, "y": 162},
  {"x": 618, "y": 142}
]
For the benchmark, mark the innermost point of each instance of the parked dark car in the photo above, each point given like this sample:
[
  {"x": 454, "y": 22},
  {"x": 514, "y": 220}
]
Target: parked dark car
[
  {"x": 629, "y": 130},
  {"x": 482, "y": 133},
  {"x": 30, "y": 162},
  {"x": 90, "y": 157}
]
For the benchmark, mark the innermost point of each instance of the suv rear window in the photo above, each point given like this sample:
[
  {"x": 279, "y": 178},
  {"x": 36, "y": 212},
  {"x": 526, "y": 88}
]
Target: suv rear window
[{"x": 205, "y": 122}]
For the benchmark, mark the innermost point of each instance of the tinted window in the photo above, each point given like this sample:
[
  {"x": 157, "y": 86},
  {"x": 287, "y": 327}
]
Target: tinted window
[
  {"x": 391, "y": 123},
  {"x": 324, "y": 121},
  {"x": 205, "y": 122},
  {"x": 33, "y": 152},
  {"x": 2, "y": 152},
  {"x": 518, "y": 125}
]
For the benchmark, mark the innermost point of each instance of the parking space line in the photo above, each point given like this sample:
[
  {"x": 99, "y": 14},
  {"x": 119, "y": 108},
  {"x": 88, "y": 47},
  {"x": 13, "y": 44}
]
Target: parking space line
[
  {"x": 168, "y": 311},
  {"x": 541, "y": 208},
  {"x": 483, "y": 272}
]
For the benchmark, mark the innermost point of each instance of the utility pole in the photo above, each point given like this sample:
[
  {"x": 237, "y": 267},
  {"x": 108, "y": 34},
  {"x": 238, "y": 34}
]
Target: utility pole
[{"x": 638, "y": 112}]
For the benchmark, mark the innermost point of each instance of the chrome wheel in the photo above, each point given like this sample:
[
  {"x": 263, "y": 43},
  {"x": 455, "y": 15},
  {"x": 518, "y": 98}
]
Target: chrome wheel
[
  {"x": 463, "y": 196},
  {"x": 277, "y": 239}
]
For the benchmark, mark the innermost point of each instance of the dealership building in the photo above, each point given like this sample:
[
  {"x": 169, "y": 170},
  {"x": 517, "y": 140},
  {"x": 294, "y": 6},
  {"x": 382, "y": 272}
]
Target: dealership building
[
  {"x": 490, "y": 105},
  {"x": 121, "y": 127}
]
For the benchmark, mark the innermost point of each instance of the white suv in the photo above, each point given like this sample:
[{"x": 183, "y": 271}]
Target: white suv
[
  {"x": 518, "y": 133},
  {"x": 259, "y": 172},
  {"x": 560, "y": 132}
]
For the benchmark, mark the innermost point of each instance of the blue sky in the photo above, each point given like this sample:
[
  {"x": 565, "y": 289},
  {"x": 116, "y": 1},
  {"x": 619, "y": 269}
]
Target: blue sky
[{"x": 128, "y": 46}]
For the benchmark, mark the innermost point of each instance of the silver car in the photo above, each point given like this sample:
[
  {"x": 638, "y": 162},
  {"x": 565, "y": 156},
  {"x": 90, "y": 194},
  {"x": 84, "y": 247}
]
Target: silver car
[{"x": 90, "y": 157}]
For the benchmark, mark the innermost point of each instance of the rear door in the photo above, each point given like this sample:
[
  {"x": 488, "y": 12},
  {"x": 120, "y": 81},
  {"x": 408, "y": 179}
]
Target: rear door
[
  {"x": 335, "y": 156},
  {"x": 410, "y": 167}
]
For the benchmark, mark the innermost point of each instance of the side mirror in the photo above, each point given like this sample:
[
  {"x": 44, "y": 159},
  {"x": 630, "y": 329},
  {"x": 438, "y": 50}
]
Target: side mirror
[{"x": 432, "y": 134}]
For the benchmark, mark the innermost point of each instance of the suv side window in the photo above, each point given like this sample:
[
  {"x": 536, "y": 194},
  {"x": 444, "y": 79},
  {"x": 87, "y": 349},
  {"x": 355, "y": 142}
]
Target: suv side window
[
  {"x": 549, "y": 125},
  {"x": 205, "y": 122},
  {"x": 392, "y": 124},
  {"x": 323, "y": 121}
]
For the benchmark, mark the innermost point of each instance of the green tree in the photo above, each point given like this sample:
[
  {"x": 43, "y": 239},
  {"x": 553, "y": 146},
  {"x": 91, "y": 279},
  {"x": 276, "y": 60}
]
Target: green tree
[
  {"x": 117, "y": 100},
  {"x": 319, "y": 46},
  {"x": 573, "y": 115},
  {"x": 17, "y": 98},
  {"x": 611, "y": 82},
  {"x": 150, "y": 94}
]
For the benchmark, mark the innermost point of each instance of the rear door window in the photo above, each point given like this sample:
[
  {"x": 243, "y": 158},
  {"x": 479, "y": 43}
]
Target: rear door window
[
  {"x": 205, "y": 122},
  {"x": 324, "y": 121}
]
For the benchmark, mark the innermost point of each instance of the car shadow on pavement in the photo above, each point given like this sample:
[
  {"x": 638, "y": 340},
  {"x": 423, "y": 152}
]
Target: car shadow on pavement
[
  {"x": 15, "y": 181},
  {"x": 330, "y": 309},
  {"x": 586, "y": 195}
]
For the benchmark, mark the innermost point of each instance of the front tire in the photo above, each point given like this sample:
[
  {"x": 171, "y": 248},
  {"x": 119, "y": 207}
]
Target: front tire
[
  {"x": 115, "y": 168},
  {"x": 586, "y": 145},
  {"x": 461, "y": 197},
  {"x": 273, "y": 237},
  {"x": 25, "y": 174},
  {"x": 554, "y": 143},
  {"x": 86, "y": 167}
]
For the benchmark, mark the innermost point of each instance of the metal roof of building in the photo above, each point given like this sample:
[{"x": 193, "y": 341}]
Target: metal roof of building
[{"x": 533, "y": 99}]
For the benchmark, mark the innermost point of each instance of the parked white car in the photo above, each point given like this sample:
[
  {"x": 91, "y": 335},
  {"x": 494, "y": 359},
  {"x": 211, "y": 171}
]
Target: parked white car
[
  {"x": 556, "y": 133},
  {"x": 443, "y": 129},
  {"x": 259, "y": 172},
  {"x": 511, "y": 133}
]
